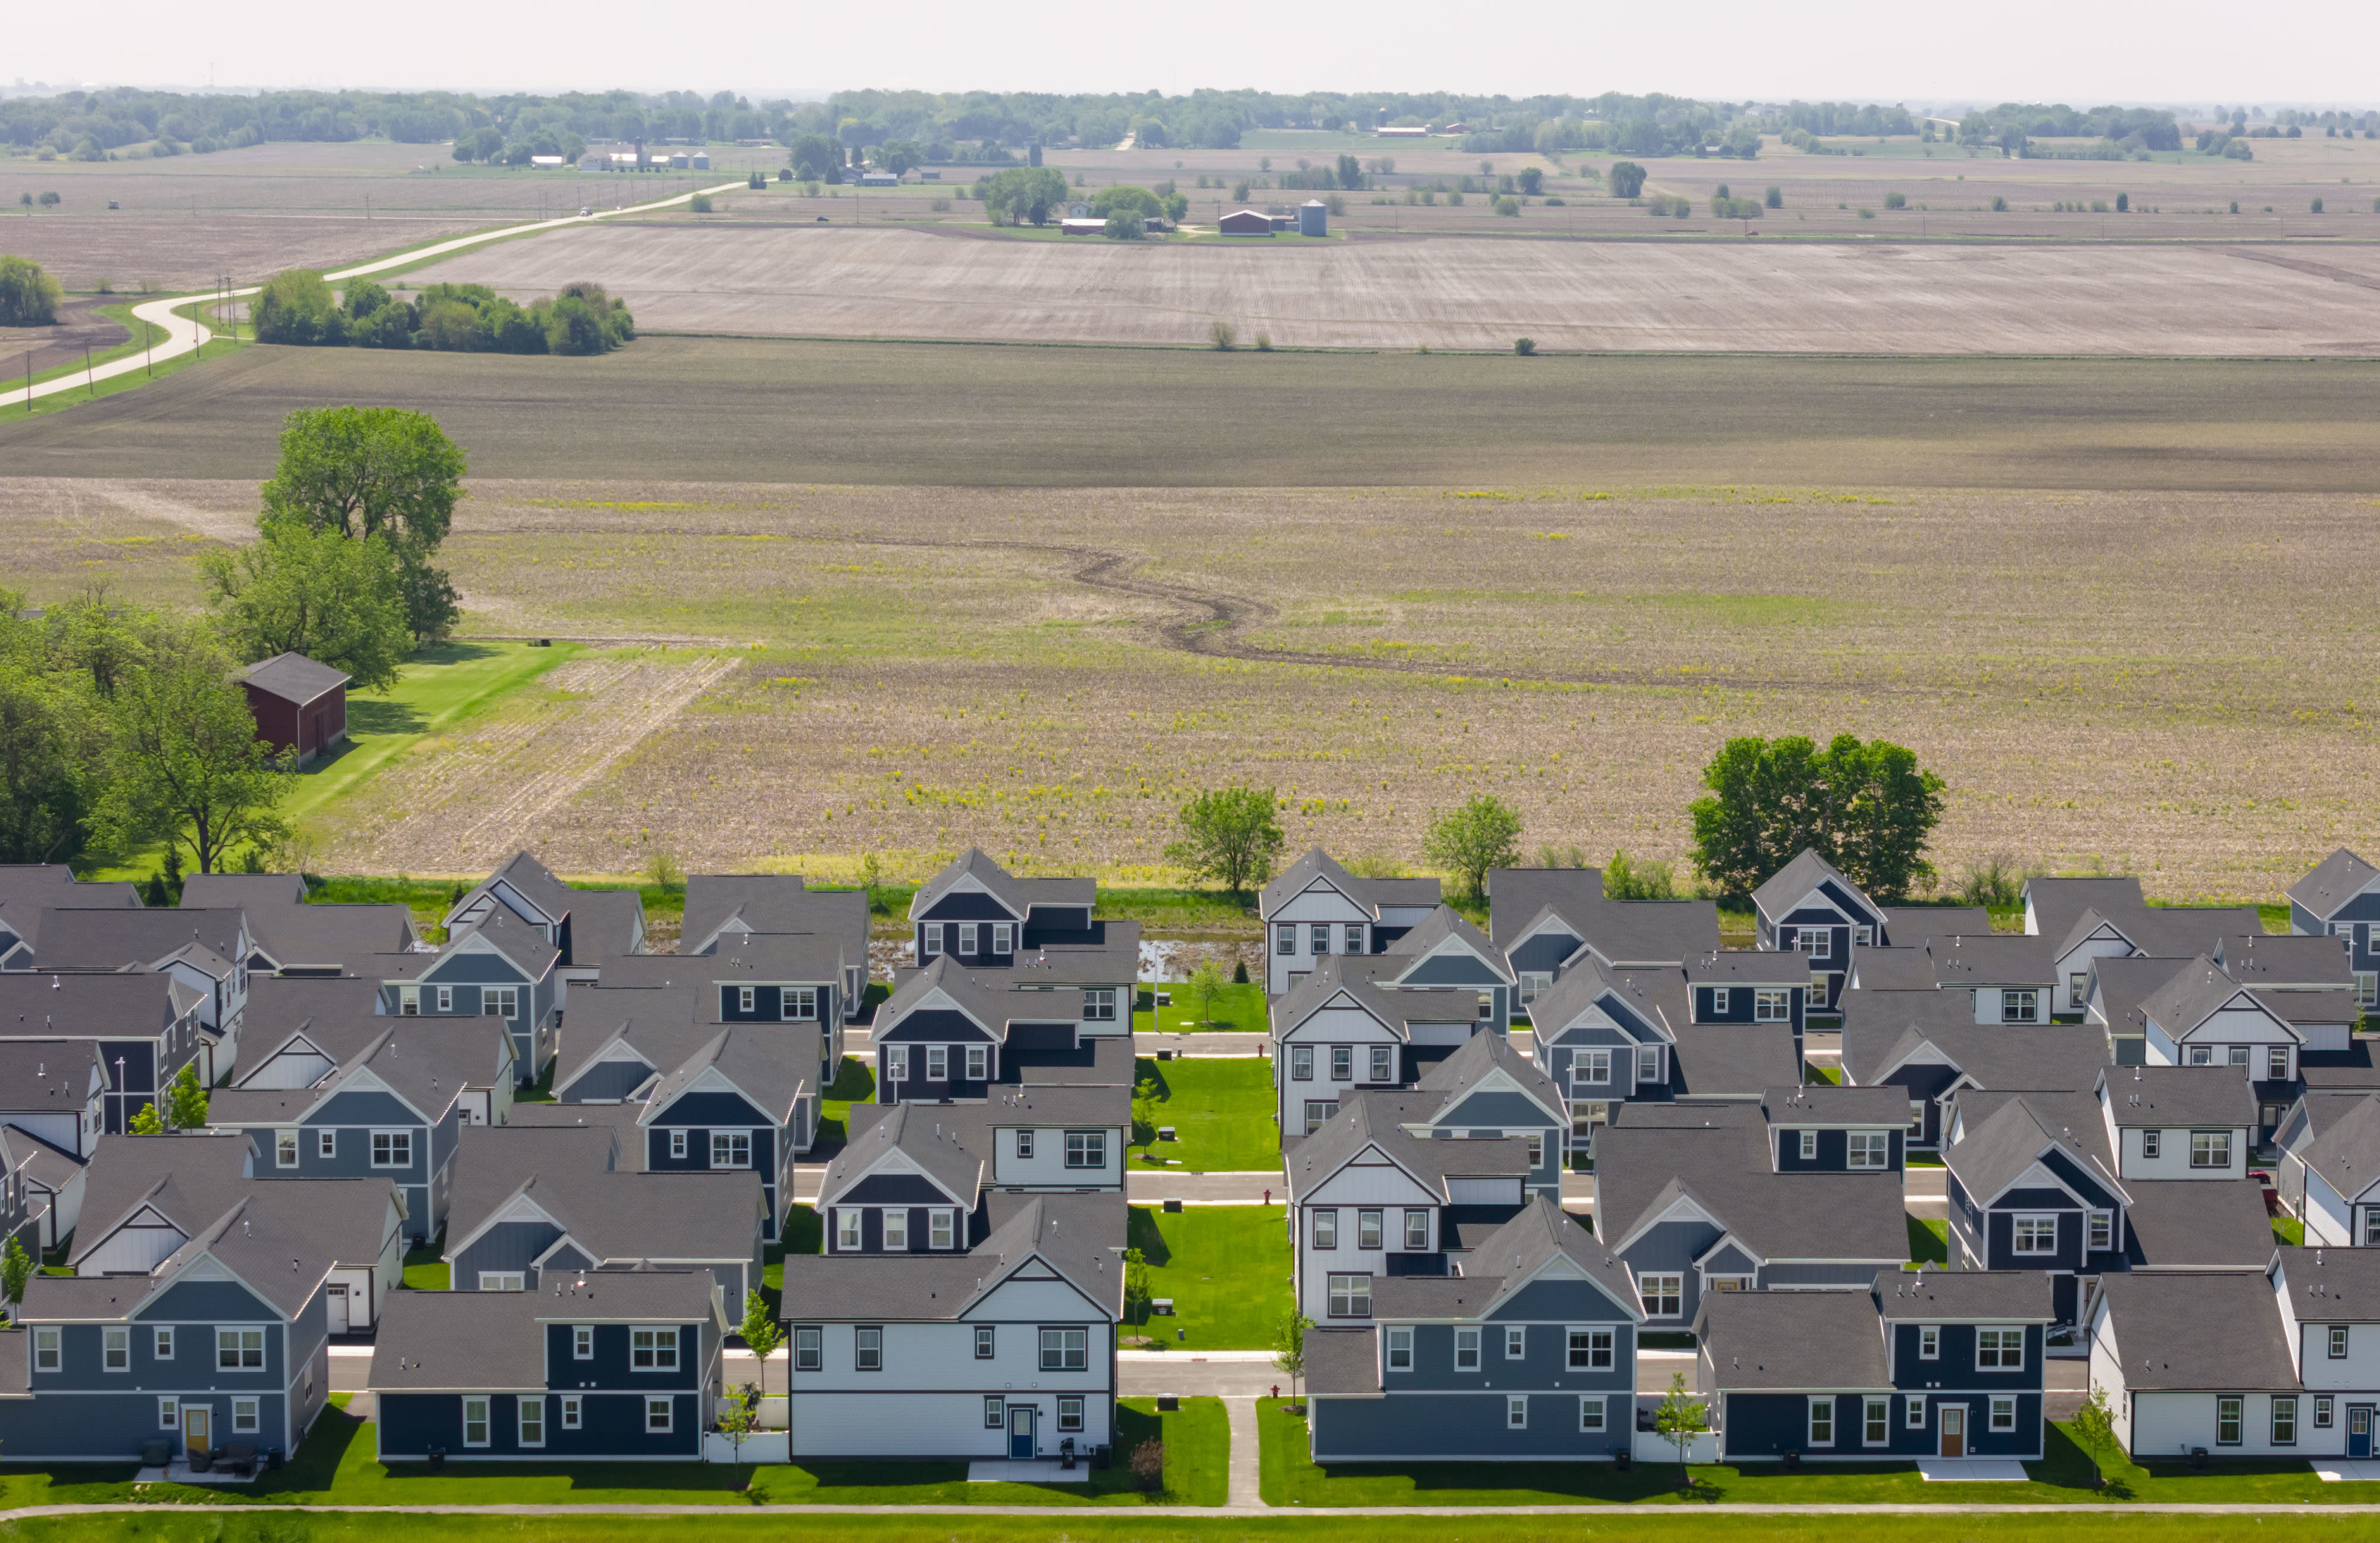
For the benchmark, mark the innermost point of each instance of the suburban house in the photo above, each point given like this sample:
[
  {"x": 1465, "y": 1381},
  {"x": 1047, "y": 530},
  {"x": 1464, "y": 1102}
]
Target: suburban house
[
  {"x": 1337, "y": 1032},
  {"x": 300, "y": 706},
  {"x": 203, "y": 949},
  {"x": 1927, "y": 1364},
  {"x": 51, "y": 1094},
  {"x": 1007, "y": 1350},
  {"x": 2329, "y": 1168},
  {"x": 2193, "y": 1123},
  {"x": 534, "y": 1204},
  {"x": 220, "y": 1344},
  {"x": 1316, "y": 910},
  {"x": 2004, "y": 977},
  {"x": 1368, "y": 1200},
  {"x": 1489, "y": 1090},
  {"x": 2146, "y": 932},
  {"x": 739, "y": 1102},
  {"x": 2032, "y": 1186},
  {"x": 29, "y": 889},
  {"x": 393, "y": 1111},
  {"x": 2341, "y": 899},
  {"x": 983, "y": 919},
  {"x": 1692, "y": 1199},
  {"x": 2329, "y": 1303},
  {"x": 792, "y": 982},
  {"x": 1930, "y": 1047},
  {"x": 2052, "y": 906},
  {"x": 1750, "y": 986},
  {"x": 1819, "y": 1127},
  {"x": 1609, "y": 1036},
  {"x": 947, "y": 1034},
  {"x": 2179, "y": 1391},
  {"x": 298, "y": 1027},
  {"x": 1809, "y": 908},
  {"x": 2202, "y": 1016},
  {"x": 1550, "y": 920},
  {"x": 289, "y": 936},
  {"x": 146, "y": 1197},
  {"x": 496, "y": 966},
  {"x": 1446, "y": 954},
  {"x": 725, "y": 910},
  {"x": 147, "y": 1027},
  {"x": 585, "y": 927},
  {"x": 617, "y": 1367},
  {"x": 1530, "y": 1355}
]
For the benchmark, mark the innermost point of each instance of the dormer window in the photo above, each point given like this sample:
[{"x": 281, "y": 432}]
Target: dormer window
[
  {"x": 2152, "y": 1143},
  {"x": 1869, "y": 1149},
  {"x": 446, "y": 999},
  {"x": 1774, "y": 1005},
  {"x": 747, "y": 999}
]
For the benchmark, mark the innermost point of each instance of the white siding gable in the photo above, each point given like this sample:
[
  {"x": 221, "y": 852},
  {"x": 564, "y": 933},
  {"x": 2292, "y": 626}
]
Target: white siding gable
[{"x": 1321, "y": 901}]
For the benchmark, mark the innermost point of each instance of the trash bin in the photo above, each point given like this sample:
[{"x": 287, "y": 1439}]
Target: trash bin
[{"x": 156, "y": 1454}]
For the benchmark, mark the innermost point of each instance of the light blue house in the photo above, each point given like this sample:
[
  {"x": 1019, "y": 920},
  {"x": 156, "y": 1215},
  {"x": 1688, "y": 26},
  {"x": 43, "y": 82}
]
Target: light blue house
[
  {"x": 1529, "y": 1355},
  {"x": 496, "y": 967}
]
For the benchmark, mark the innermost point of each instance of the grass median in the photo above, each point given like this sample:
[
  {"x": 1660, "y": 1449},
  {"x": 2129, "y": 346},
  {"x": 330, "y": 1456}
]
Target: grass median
[
  {"x": 1220, "y": 1109},
  {"x": 1225, "y": 1267}
]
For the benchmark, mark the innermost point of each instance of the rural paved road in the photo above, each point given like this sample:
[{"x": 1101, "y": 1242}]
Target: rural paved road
[{"x": 182, "y": 335}]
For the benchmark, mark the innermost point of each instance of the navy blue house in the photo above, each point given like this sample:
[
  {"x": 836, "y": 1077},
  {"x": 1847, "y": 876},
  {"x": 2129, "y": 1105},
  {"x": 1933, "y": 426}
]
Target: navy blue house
[
  {"x": 1529, "y": 1355},
  {"x": 2033, "y": 1185},
  {"x": 617, "y": 1367},
  {"x": 2341, "y": 899},
  {"x": 1927, "y": 1365},
  {"x": 1610, "y": 1037},
  {"x": 147, "y": 1027},
  {"x": 1809, "y": 908},
  {"x": 1927, "y": 1045},
  {"x": 947, "y": 1032}
]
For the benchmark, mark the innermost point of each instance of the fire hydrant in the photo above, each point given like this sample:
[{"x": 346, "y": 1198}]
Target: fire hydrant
[{"x": 1276, "y": 1390}]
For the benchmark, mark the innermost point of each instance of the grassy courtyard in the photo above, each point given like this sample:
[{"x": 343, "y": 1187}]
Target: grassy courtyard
[
  {"x": 1226, "y": 1268},
  {"x": 1238, "y": 1009},
  {"x": 1221, "y": 1110}
]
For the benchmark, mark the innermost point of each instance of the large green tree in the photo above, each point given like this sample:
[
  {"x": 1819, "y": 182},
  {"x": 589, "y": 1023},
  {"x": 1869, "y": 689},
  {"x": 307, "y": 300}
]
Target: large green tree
[
  {"x": 376, "y": 471},
  {"x": 1229, "y": 835},
  {"x": 52, "y": 740},
  {"x": 187, "y": 767},
  {"x": 29, "y": 296},
  {"x": 1483, "y": 834},
  {"x": 1867, "y": 807},
  {"x": 1023, "y": 195},
  {"x": 315, "y": 592}
]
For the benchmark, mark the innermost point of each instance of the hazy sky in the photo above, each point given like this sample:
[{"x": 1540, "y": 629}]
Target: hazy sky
[{"x": 2186, "y": 51}]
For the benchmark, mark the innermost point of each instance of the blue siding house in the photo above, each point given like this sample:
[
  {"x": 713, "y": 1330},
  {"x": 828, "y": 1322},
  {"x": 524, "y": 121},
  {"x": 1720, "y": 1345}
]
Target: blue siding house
[
  {"x": 2032, "y": 1184},
  {"x": 1610, "y": 1037},
  {"x": 1931, "y": 1365},
  {"x": 498, "y": 967},
  {"x": 1529, "y": 1355},
  {"x": 146, "y": 1026},
  {"x": 2341, "y": 899},
  {"x": 611, "y": 1367},
  {"x": 1809, "y": 908}
]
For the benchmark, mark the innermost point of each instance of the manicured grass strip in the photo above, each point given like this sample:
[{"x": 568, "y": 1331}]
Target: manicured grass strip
[
  {"x": 853, "y": 1083},
  {"x": 1238, "y": 1009},
  {"x": 164, "y": 1525},
  {"x": 1226, "y": 1267},
  {"x": 1220, "y": 1111},
  {"x": 1929, "y": 1242},
  {"x": 2289, "y": 1230}
]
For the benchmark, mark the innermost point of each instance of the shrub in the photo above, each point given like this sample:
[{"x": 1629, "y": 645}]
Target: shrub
[
  {"x": 1264, "y": 342},
  {"x": 1240, "y": 973},
  {"x": 1999, "y": 204},
  {"x": 784, "y": 173},
  {"x": 1557, "y": 202},
  {"x": 700, "y": 204},
  {"x": 1627, "y": 179},
  {"x": 1736, "y": 208},
  {"x": 756, "y": 182},
  {"x": 1524, "y": 347},
  {"x": 2316, "y": 206},
  {"x": 1148, "y": 1467},
  {"x": 1867, "y": 213},
  {"x": 1127, "y": 224},
  {"x": 49, "y": 200},
  {"x": 1222, "y": 334},
  {"x": 941, "y": 206},
  {"x": 2123, "y": 203},
  {"x": 1896, "y": 200},
  {"x": 1510, "y": 207},
  {"x": 1774, "y": 198},
  {"x": 295, "y": 307},
  {"x": 29, "y": 296}
]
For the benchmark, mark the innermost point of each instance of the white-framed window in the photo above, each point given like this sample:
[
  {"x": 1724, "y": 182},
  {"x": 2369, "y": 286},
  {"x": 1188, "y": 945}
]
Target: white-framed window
[
  {"x": 2100, "y": 1231},
  {"x": 1822, "y": 1422},
  {"x": 2152, "y": 1143},
  {"x": 2210, "y": 1149},
  {"x": 995, "y": 1413},
  {"x": 1517, "y": 1343},
  {"x": 896, "y": 1064},
  {"x": 326, "y": 1143},
  {"x": 1516, "y": 1412},
  {"x": 2239, "y": 1054},
  {"x": 1772, "y": 1005},
  {"x": 392, "y": 1149},
  {"x": 1342, "y": 1062},
  {"x": 2285, "y": 1420},
  {"x": 1003, "y": 937},
  {"x": 582, "y": 1342},
  {"x": 446, "y": 999},
  {"x": 652, "y": 1349},
  {"x": 499, "y": 1001},
  {"x": 571, "y": 1407},
  {"x": 1914, "y": 1415},
  {"x": 1929, "y": 1342},
  {"x": 1320, "y": 938},
  {"x": 285, "y": 1148},
  {"x": 2322, "y": 1413},
  {"x": 897, "y": 1228},
  {"x": 116, "y": 1348},
  {"x": 747, "y": 999},
  {"x": 162, "y": 1345},
  {"x": 1100, "y": 1004},
  {"x": 169, "y": 1413},
  {"x": 2277, "y": 1064},
  {"x": 987, "y": 1341},
  {"x": 2078, "y": 988},
  {"x": 677, "y": 1144},
  {"x": 1369, "y": 1231},
  {"x": 2367, "y": 988},
  {"x": 1487, "y": 1013},
  {"x": 2003, "y": 1413},
  {"x": 2228, "y": 1421},
  {"x": 1301, "y": 1063},
  {"x": 1590, "y": 1350},
  {"x": 1590, "y": 1414},
  {"x": 1591, "y": 1067},
  {"x": 978, "y": 1062},
  {"x": 533, "y": 1420},
  {"x": 1384, "y": 1063},
  {"x": 239, "y": 1349},
  {"x": 938, "y": 1063},
  {"x": 1416, "y": 1230},
  {"x": 1326, "y": 1228},
  {"x": 1720, "y": 997},
  {"x": 408, "y": 1001},
  {"x": 1864, "y": 936},
  {"x": 1024, "y": 1145},
  {"x": 809, "y": 1350},
  {"x": 1815, "y": 942},
  {"x": 1664, "y": 1295},
  {"x": 967, "y": 935},
  {"x": 1809, "y": 1145},
  {"x": 1350, "y": 937},
  {"x": 1870, "y": 1150},
  {"x": 942, "y": 1224},
  {"x": 2019, "y": 1007},
  {"x": 2371, "y": 1226},
  {"x": 1066, "y": 1349},
  {"x": 1069, "y": 1415},
  {"x": 1399, "y": 1349},
  {"x": 731, "y": 1148},
  {"x": 1466, "y": 1350},
  {"x": 2339, "y": 1342},
  {"x": 658, "y": 1412},
  {"x": 1876, "y": 1422},
  {"x": 1086, "y": 1148},
  {"x": 1537, "y": 1140},
  {"x": 1917, "y": 1119},
  {"x": 46, "y": 1350},
  {"x": 1318, "y": 1112},
  {"x": 929, "y": 940},
  {"x": 1285, "y": 938},
  {"x": 475, "y": 1422},
  {"x": 502, "y": 1280},
  {"x": 2034, "y": 1235},
  {"x": 1648, "y": 1063},
  {"x": 798, "y": 1004},
  {"x": 1999, "y": 1350},
  {"x": 2202, "y": 1055},
  {"x": 1534, "y": 984}
]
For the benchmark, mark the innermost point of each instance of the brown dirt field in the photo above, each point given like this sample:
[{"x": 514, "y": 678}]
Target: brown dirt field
[
  {"x": 1832, "y": 298},
  {"x": 2175, "y": 684},
  {"x": 78, "y": 327}
]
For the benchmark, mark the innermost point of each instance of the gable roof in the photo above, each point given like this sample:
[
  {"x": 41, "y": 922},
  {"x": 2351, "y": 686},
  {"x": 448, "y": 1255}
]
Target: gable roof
[
  {"x": 1318, "y": 864},
  {"x": 206, "y": 891},
  {"x": 488, "y": 1341},
  {"x": 1902, "y": 967},
  {"x": 2194, "y": 993},
  {"x": 2347, "y": 1153},
  {"x": 1442, "y": 923},
  {"x": 48, "y": 1075},
  {"x": 107, "y": 1004},
  {"x": 1636, "y": 934},
  {"x": 336, "y": 1014},
  {"x": 1374, "y": 1121},
  {"x": 112, "y": 937},
  {"x": 188, "y": 1179},
  {"x": 1787, "y": 1340},
  {"x": 1518, "y": 896},
  {"x": 1019, "y": 895},
  {"x": 1484, "y": 1056},
  {"x": 570, "y": 1173},
  {"x": 772, "y": 903},
  {"x": 2154, "y": 1351},
  {"x": 1822, "y": 1103},
  {"x": 1717, "y": 1157},
  {"x": 428, "y": 1062},
  {"x": 2007, "y": 1132},
  {"x": 506, "y": 935},
  {"x": 2162, "y": 1096},
  {"x": 758, "y": 1060},
  {"x": 1807, "y": 870},
  {"x": 2175, "y": 932},
  {"x": 2331, "y": 1284},
  {"x": 2052, "y": 905},
  {"x": 1748, "y": 967},
  {"x": 1912, "y": 925},
  {"x": 2335, "y": 880},
  {"x": 926, "y": 1134},
  {"x": 1355, "y": 978},
  {"x": 2196, "y": 1223},
  {"x": 1506, "y": 1262},
  {"x": 293, "y": 678},
  {"x": 2264, "y": 959},
  {"x": 992, "y": 1000},
  {"x": 1078, "y": 1238}
]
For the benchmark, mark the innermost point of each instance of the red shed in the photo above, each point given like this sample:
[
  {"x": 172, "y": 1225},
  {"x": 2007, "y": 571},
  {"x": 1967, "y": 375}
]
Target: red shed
[{"x": 296, "y": 703}]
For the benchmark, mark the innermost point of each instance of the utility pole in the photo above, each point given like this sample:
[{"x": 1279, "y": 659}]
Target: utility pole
[
  {"x": 89, "y": 381},
  {"x": 148, "y": 345}
]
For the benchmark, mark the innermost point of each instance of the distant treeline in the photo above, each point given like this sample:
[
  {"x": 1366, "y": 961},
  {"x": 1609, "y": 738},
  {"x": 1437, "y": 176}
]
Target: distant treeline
[{"x": 298, "y": 308}]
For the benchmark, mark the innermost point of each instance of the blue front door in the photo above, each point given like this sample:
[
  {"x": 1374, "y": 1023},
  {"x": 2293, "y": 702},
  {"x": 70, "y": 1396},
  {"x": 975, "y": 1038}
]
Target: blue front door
[
  {"x": 2359, "y": 1431},
  {"x": 1020, "y": 1430}
]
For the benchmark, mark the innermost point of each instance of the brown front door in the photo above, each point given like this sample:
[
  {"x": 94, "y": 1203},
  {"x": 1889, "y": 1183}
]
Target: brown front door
[
  {"x": 1954, "y": 1430},
  {"x": 197, "y": 1436}
]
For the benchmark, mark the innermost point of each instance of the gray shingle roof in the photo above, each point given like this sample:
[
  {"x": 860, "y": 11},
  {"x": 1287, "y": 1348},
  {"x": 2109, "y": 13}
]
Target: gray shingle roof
[
  {"x": 489, "y": 1341},
  {"x": 1637, "y": 932},
  {"x": 1373, "y": 1120},
  {"x": 1480, "y": 1055},
  {"x": 1747, "y": 967},
  {"x": 321, "y": 936},
  {"x": 2153, "y": 1313},
  {"x": 1900, "y": 967},
  {"x": 111, "y": 938},
  {"x": 1908, "y": 926},
  {"x": 619, "y": 1215},
  {"x": 1502, "y": 1263},
  {"x": 1345, "y": 1362},
  {"x": 512, "y": 937},
  {"x": 2006, "y": 1132},
  {"x": 2161, "y": 1096},
  {"x": 772, "y": 903},
  {"x": 2347, "y": 1153},
  {"x": 1112, "y": 960},
  {"x": 1440, "y": 925},
  {"x": 2184, "y": 1223},
  {"x": 2335, "y": 880},
  {"x": 2189, "y": 998},
  {"x": 1732, "y": 1060},
  {"x": 191, "y": 1179},
  {"x": 48, "y": 1075},
  {"x": 2332, "y": 1285},
  {"x": 1356, "y": 977},
  {"x": 2056, "y": 903},
  {"x": 1019, "y": 895},
  {"x": 773, "y": 1064},
  {"x": 263, "y": 891},
  {"x": 2125, "y": 984},
  {"x": 2180, "y": 932},
  {"x": 991, "y": 998},
  {"x": 1999, "y": 959},
  {"x": 1081, "y": 1237},
  {"x": 1785, "y": 887},
  {"x": 1880, "y": 1032},
  {"x": 293, "y": 678},
  {"x": 1375, "y": 893},
  {"x": 1516, "y": 897},
  {"x": 1966, "y": 1295},
  {"x": 1789, "y": 1340},
  {"x": 1822, "y": 1103},
  {"x": 929, "y": 1135},
  {"x": 1718, "y": 1156},
  {"x": 99, "y": 1005},
  {"x": 429, "y": 1062}
]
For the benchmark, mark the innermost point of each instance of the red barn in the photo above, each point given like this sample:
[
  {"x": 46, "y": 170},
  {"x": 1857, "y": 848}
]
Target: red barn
[{"x": 297, "y": 703}]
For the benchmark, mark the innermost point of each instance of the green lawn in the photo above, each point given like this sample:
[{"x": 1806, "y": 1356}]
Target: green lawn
[
  {"x": 1290, "y": 1479},
  {"x": 426, "y": 1268},
  {"x": 1226, "y": 1267},
  {"x": 1220, "y": 1111},
  {"x": 853, "y": 1083},
  {"x": 1929, "y": 1242},
  {"x": 2289, "y": 1230},
  {"x": 1238, "y": 1009},
  {"x": 1923, "y": 1160}
]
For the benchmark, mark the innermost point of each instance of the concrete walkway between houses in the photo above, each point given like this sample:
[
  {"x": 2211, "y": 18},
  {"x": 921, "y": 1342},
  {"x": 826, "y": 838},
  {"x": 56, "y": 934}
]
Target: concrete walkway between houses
[
  {"x": 1247, "y": 1187},
  {"x": 1229, "y": 1046},
  {"x": 1243, "y": 1493}
]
